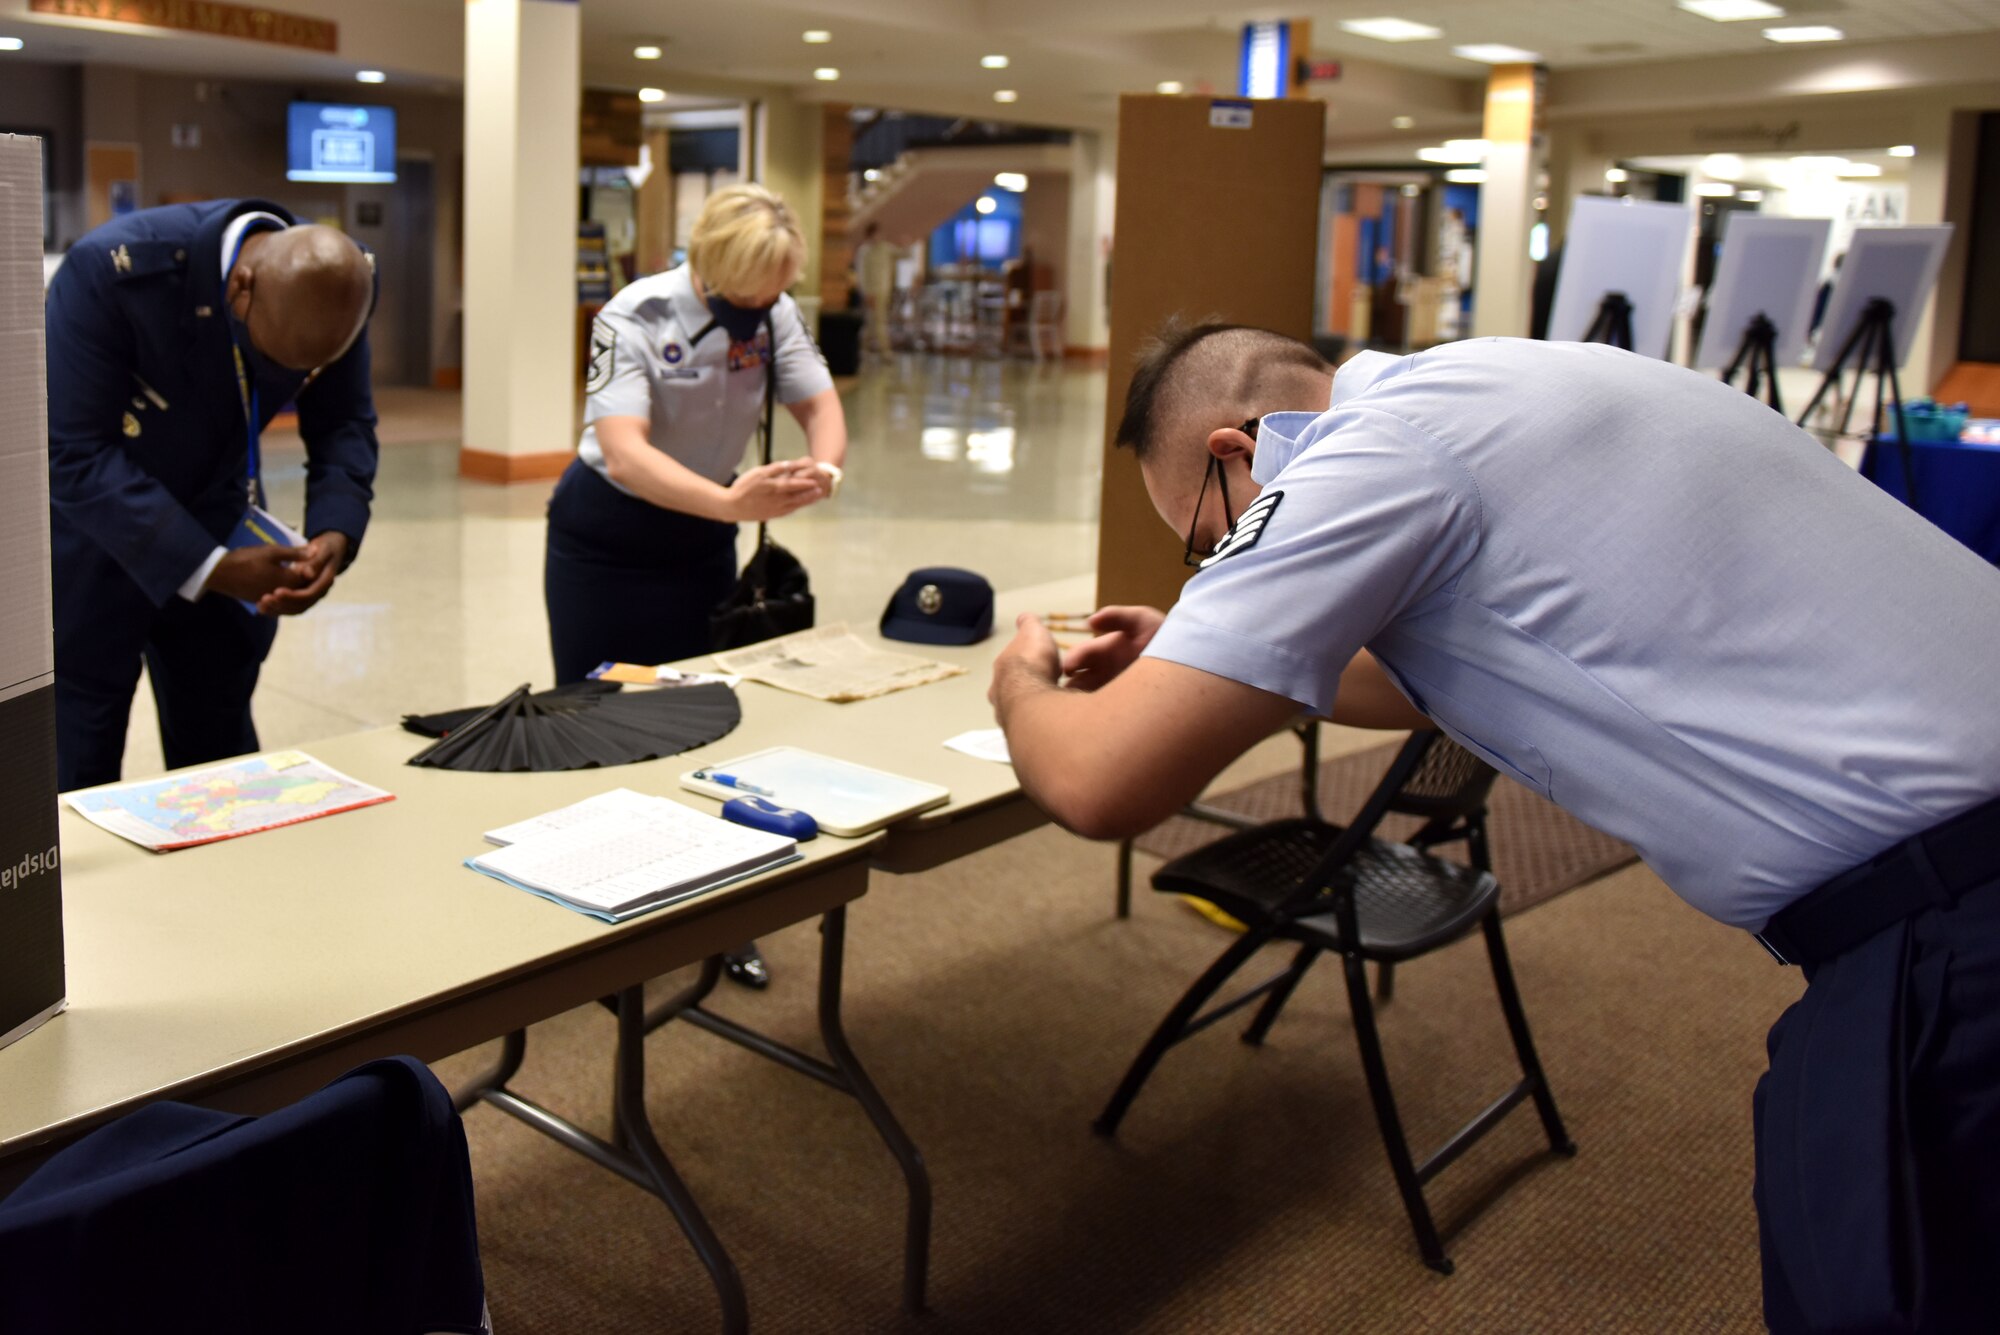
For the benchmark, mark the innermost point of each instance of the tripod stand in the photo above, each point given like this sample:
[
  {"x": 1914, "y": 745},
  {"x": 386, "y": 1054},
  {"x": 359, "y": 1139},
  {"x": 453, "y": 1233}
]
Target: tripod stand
[
  {"x": 1872, "y": 348},
  {"x": 1613, "y": 324},
  {"x": 1758, "y": 353}
]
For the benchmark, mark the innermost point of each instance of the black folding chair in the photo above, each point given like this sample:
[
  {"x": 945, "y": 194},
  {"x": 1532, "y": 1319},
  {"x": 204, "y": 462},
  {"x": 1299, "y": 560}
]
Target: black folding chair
[
  {"x": 1307, "y": 732},
  {"x": 1326, "y": 888}
]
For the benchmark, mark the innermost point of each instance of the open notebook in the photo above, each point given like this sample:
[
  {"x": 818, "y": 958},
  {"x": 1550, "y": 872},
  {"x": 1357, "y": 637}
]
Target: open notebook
[{"x": 622, "y": 853}]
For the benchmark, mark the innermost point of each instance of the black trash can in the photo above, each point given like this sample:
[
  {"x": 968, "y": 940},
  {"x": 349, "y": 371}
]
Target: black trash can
[{"x": 840, "y": 341}]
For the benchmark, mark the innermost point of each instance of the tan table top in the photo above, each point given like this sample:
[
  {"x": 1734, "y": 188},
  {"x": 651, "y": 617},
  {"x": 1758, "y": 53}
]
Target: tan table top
[{"x": 265, "y": 965}]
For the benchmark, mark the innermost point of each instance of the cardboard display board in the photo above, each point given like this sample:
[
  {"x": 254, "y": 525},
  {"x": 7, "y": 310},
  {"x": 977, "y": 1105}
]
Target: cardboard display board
[
  {"x": 1637, "y": 247},
  {"x": 1897, "y": 264},
  {"x": 1769, "y": 267},
  {"x": 1217, "y": 218},
  {"x": 31, "y": 952}
]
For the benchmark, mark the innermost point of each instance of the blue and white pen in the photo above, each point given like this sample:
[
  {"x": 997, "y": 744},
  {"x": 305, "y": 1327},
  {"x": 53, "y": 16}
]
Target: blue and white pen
[{"x": 731, "y": 781}]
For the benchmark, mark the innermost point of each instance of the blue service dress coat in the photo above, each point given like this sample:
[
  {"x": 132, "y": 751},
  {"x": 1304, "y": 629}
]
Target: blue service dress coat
[{"x": 148, "y": 458}]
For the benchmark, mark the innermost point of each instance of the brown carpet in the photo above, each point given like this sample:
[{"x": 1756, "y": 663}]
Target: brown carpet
[
  {"x": 1539, "y": 850},
  {"x": 997, "y": 1001}
]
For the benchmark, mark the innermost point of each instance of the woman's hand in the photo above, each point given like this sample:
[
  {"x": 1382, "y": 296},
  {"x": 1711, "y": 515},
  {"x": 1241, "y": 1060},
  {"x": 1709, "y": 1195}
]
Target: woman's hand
[{"x": 772, "y": 491}]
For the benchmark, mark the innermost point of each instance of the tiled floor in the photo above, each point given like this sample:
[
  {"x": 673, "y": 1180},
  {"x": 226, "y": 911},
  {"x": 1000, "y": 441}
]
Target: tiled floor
[{"x": 991, "y": 466}]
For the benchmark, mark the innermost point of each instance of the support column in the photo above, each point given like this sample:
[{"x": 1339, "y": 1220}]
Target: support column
[
  {"x": 1576, "y": 168},
  {"x": 655, "y": 205},
  {"x": 785, "y": 153},
  {"x": 1093, "y": 190},
  {"x": 1502, "y": 293},
  {"x": 523, "y": 99},
  {"x": 837, "y": 240},
  {"x": 1933, "y": 349}
]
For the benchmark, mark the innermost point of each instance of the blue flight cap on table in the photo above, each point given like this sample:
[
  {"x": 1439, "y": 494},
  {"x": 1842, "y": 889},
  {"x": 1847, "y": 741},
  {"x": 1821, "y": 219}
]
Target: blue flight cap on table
[{"x": 940, "y": 605}]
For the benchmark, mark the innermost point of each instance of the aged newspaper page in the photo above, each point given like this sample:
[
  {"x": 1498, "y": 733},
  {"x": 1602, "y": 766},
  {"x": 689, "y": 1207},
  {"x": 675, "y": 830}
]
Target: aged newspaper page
[{"x": 832, "y": 663}]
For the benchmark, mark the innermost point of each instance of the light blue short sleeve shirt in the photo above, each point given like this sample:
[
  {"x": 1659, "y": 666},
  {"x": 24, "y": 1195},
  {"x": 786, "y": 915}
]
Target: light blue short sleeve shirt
[
  {"x": 656, "y": 353},
  {"x": 1639, "y": 592}
]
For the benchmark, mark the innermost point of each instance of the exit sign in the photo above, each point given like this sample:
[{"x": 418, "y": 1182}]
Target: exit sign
[{"x": 1319, "y": 71}]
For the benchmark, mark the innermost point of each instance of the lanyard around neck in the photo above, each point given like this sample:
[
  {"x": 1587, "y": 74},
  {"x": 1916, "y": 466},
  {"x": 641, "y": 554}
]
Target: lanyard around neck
[{"x": 246, "y": 385}]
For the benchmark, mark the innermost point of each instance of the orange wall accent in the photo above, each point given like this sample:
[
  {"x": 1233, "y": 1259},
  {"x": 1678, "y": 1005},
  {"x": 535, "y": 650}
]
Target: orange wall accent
[
  {"x": 1346, "y": 246},
  {"x": 486, "y": 466},
  {"x": 1975, "y": 384}
]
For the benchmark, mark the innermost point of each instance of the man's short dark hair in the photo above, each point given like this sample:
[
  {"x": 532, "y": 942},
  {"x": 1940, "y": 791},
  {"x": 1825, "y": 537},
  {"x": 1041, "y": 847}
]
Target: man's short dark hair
[{"x": 1162, "y": 388}]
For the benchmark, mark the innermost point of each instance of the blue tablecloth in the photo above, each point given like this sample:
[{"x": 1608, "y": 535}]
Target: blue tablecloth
[{"x": 1958, "y": 486}]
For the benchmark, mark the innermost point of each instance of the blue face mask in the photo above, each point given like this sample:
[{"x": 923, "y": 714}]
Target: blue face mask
[{"x": 740, "y": 322}]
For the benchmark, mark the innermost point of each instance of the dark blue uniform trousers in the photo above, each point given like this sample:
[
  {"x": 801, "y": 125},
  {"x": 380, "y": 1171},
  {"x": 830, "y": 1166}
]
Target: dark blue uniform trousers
[
  {"x": 203, "y": 659},
  {"x": 629, "y": 582},
  {"x": 1878, "y": 1133}
]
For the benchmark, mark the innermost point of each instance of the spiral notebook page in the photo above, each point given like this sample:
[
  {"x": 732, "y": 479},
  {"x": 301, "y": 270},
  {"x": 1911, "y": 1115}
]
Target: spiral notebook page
[{"x": 627, "y": 861}]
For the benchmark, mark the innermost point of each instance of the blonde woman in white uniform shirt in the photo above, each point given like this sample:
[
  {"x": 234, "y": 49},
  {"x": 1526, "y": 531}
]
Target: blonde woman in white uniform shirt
[{"x": 642, "y": 527}]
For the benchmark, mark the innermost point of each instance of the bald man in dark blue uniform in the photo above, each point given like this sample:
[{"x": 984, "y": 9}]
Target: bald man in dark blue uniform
[{"x": 174, "y": 336}]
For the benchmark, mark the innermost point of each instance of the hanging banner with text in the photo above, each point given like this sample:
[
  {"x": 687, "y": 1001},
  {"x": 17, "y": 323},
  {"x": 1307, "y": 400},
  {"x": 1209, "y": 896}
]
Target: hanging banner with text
[{"x": 207, "y": 17}]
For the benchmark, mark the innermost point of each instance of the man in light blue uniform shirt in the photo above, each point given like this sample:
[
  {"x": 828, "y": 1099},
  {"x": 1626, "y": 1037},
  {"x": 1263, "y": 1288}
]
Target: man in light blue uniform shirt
[{"x": 1652, "y": 599}]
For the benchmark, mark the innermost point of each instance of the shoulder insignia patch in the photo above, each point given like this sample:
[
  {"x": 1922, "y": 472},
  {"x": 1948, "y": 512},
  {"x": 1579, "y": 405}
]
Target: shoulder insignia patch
[
  {"x": 1249, "y": 527},
  {"x": 603, "y": 356}
]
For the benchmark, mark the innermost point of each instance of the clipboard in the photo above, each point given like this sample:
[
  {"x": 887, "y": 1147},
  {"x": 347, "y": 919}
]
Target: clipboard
[{"x": 846, "y": 799}]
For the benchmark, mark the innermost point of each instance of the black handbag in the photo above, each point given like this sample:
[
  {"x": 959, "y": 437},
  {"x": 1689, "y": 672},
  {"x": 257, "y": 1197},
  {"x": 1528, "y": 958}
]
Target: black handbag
[{"x": 773, "y": 595}]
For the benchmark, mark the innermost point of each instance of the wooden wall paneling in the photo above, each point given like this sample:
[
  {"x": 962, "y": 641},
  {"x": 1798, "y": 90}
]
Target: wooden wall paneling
[{"x": 1212, "y": 221}]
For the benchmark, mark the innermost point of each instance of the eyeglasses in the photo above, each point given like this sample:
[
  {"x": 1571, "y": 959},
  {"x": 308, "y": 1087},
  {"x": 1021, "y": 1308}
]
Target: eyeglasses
[{"x": 1191, "y": 556}]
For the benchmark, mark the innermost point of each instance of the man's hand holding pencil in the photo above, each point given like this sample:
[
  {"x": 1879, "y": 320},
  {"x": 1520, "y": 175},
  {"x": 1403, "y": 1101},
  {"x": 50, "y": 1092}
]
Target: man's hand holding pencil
[{"x": 1118, "y": 636}]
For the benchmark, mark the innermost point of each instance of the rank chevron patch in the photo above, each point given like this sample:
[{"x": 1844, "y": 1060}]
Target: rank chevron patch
[{"x": 1249, "y": 527}]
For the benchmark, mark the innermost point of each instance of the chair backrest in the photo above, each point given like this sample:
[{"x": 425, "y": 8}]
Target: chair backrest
[
  {"x": 1432, "y": 777},
  {"x": 1447, "y": 783},
  {"x": 350, "y": 1210}
]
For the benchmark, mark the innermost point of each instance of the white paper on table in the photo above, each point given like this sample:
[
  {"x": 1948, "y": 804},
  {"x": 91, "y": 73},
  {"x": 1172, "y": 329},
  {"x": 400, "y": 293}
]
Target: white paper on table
[
  {"x": 673, "y": 677},
  {"x": 983, "y": 744}
]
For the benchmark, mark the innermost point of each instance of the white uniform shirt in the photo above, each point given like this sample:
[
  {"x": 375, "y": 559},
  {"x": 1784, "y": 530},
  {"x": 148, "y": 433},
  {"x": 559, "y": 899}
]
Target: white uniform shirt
[
  {"x": 1636, "y": 590},
  {"x": 703, "y": 393}
]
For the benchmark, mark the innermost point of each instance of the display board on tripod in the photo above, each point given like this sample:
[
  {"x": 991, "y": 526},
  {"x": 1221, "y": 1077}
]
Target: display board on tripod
[
  {"x": 1769, "y": 267},
  {"x": 1898, "y": 265},
  {"x": 1631, "y": 247}
]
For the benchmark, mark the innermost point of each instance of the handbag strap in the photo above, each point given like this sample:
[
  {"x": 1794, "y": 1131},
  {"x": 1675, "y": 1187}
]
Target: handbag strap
[{"x": 760, "y": 557}]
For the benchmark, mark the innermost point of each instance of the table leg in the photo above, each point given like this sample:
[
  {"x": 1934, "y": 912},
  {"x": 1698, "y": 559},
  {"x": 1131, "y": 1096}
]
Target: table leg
[
  {"x": 917, "y": 1229},
  {"x": 513, "y": 1048},
  {"x": 638, "y": 1136},
  {"x": 634, "y": 1152}
]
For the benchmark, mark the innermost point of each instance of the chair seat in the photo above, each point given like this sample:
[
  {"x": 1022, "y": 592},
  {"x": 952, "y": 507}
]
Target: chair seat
[{"x": 1406, "y": 901}]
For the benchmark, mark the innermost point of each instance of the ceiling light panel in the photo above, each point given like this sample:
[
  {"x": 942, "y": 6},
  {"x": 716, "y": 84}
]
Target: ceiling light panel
[
  {"x": 1732, "y": 11},
  {"x": 1495, "y": 53},
  {"x": 1813, "y": 33},
  {"x": 1391, "y": 30}
]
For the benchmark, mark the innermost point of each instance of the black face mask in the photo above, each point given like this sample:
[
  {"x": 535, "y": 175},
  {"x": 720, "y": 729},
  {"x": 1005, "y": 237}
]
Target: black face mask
[{"x": 739, "y": 322}]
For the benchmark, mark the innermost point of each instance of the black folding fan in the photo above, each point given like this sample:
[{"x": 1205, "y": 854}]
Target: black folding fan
[{"x": 582, "y": 726}]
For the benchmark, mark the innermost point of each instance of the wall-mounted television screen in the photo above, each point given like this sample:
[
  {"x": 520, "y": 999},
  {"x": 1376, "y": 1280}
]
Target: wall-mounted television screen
[{"x": 332, "y": 142}]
